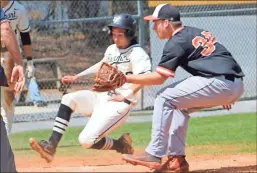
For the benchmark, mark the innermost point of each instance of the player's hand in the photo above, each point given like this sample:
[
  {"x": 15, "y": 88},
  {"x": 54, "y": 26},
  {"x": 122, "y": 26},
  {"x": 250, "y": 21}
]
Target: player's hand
[
  {"x": 18, "y": 78},
  {"x": 69, "y": 79},
  {"x": 117, "y": 98}
]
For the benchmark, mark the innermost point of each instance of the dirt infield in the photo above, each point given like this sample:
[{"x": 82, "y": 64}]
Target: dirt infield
[{"x": 109, "y": 161}]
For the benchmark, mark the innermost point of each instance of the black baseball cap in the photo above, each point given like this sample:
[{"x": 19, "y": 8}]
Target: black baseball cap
[{"x": 165, "y": 11}]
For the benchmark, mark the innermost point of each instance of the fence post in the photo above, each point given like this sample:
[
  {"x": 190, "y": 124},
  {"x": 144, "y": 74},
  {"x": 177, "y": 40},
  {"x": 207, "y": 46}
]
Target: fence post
[
  {"x": 141, "y": 22},
  {"x": 141, "y": 39}
]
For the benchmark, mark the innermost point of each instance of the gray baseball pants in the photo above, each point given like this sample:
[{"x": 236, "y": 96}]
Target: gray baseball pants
[{"x": 170, "y": 118}]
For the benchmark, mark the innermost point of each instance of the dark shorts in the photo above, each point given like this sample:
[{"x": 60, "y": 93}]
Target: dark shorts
[{"x": 7, "y": 157}]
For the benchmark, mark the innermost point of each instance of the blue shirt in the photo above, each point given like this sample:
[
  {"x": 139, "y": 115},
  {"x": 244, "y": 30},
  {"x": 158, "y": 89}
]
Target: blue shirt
[{"x": 2, "y": 17}]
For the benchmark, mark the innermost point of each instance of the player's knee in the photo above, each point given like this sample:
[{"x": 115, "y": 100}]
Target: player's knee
[
  {"x": 84, "y": 141},
  {"x": 162, "y": 99},
  {"x": 68, "y": 100}
]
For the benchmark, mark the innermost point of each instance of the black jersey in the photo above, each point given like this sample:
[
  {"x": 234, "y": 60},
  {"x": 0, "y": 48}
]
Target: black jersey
[{"x": 199, "y": 53}]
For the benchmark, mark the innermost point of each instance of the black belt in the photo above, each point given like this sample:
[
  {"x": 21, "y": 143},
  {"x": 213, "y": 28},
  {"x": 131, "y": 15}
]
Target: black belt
[
  {"x": 232, "y": 78},
  {"x": 125, "y": 101}
]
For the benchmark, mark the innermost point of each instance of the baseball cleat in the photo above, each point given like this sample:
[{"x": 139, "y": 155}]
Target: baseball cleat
[
  {"x": 125, "y": 144},
  {"x": 44, "y": 148},
  {"x": 144, "y": 159},
  {"x": 174, "y": 164}
]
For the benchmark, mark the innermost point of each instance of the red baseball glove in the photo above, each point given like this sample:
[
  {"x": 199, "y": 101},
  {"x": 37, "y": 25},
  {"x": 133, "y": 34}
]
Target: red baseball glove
[{"x": 108, "y": 78}]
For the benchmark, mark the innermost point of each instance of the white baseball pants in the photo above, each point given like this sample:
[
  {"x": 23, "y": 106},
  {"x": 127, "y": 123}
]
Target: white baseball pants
[{"x": 105, "y": 116}]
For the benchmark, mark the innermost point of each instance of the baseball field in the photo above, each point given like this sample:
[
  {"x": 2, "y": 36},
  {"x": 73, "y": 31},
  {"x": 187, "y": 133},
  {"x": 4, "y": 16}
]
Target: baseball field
[{"x": 214, "y": 144}]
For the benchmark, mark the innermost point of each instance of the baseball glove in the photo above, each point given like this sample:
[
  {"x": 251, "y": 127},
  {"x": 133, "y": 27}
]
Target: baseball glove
[{"x": 108, "y": 78}]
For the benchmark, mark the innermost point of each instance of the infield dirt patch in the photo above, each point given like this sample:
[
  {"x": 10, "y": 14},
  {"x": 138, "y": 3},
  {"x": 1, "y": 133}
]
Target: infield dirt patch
[{"x": 110, "y": 161}]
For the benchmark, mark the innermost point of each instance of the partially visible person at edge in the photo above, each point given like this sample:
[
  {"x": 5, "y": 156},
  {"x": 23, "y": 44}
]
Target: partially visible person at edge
[
  {"x": 17, "y": 15},
  {"x": 9, "y": 46}
]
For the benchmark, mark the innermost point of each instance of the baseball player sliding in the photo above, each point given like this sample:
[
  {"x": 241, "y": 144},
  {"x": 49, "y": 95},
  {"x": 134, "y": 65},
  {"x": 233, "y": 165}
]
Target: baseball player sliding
[
  {"x": 108, "y": 110},
  {"x": 216, "y": 80}
]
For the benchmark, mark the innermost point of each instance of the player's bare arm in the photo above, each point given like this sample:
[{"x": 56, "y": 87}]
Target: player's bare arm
[
  {"x": 154, "y": 78},
  {"x": 91, "y": 70},
  {"x": 27, "y": 50},
  {"x": 8, "y": 37}
]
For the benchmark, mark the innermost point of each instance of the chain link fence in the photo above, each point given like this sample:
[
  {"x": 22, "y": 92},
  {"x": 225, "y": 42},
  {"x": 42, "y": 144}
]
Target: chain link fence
[{"x": 68, "y": 37}]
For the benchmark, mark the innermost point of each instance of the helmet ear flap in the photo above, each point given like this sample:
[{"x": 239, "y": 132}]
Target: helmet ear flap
[{"x": 130, "y": 34}]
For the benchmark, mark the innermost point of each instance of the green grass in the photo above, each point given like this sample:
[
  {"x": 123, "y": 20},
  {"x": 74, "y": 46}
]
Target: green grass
[
  {"x": 229, "y": 129},
  {"x": 228, "y": 133}
]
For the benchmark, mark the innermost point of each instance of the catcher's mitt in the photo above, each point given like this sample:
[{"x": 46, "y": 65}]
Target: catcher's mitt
[{"x": 108, "y": 78}]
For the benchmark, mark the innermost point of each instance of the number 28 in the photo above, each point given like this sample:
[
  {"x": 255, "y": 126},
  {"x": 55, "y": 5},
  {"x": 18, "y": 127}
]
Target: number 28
[{"x": 207, "y": 41}]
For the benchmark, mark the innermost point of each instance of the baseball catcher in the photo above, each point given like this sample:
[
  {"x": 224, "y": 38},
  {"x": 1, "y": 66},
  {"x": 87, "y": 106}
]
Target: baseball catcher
[
  {"x": 110, "y": 101},
  {"x": 216, "y": 80}
]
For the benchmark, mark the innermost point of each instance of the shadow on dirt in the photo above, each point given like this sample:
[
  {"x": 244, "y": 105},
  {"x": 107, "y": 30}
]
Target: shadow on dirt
[{"x": 252, "y": 168}]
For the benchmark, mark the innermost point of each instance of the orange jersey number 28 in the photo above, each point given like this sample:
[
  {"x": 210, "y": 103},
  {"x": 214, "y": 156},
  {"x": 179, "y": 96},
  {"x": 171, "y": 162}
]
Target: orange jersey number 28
[{"x": 207, "y": 41}]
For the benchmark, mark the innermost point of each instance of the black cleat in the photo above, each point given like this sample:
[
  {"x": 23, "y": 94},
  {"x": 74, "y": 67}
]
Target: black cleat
[
  {"x": 125, "y": 144},
  {"x": 44, "y": 148}
]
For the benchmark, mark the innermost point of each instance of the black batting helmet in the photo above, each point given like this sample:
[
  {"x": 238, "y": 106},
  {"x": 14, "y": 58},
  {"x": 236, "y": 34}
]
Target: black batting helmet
[{"x": 125, "y": 21}]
